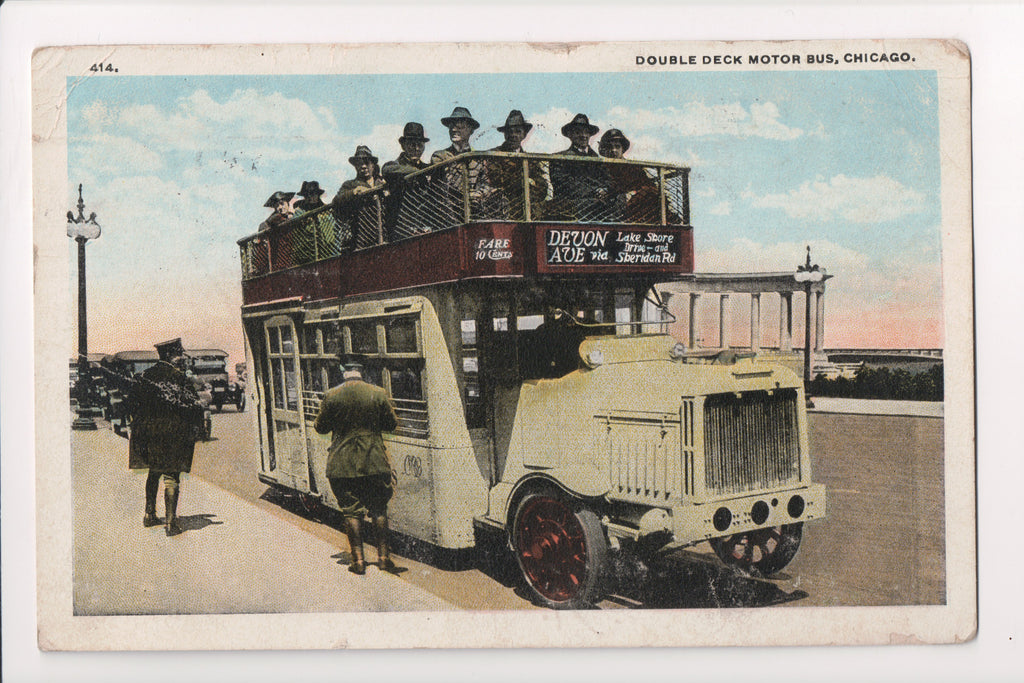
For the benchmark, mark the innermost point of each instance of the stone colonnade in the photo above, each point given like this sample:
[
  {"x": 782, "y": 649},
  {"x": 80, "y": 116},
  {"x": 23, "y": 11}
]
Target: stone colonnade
[{"x": 723, "y": 285}]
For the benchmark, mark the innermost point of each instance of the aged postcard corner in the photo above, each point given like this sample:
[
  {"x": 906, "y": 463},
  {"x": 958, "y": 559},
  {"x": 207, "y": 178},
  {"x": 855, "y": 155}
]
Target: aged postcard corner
[{"x": 667, "y": 340}]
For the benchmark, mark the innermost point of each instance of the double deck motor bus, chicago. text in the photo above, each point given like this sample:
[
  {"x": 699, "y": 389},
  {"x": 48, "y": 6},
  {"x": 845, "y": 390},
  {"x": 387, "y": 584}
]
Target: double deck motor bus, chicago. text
[{"x": 498, "y": 299}]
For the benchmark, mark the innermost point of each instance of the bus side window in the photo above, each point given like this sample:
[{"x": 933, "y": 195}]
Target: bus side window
[{"x": 475, "y": 415}]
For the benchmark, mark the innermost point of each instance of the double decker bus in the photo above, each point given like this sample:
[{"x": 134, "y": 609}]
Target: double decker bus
[{"x": 500, "y": 301}]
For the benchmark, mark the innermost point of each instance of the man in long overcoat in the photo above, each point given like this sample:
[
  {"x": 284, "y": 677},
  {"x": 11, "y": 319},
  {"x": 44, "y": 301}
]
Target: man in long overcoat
[
  {"x": 358, "y": 467},
  {"x": 166, "y": 417}
]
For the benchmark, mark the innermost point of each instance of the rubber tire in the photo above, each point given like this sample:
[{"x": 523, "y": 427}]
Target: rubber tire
[
  {"x": 241, "y": 403},
  {"x": 787, "y": 543},
  {"x": 560, "y": 524}
]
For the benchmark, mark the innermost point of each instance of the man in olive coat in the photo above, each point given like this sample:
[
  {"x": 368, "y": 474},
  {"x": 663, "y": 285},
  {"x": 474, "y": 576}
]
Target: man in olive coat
[
  {"x": 166, "y": 417},
  {"x": 358, "y": 467}
]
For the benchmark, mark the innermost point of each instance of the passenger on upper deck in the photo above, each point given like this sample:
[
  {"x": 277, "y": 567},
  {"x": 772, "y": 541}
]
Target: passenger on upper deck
[
  {"x": 461, "y": 125},
  {"x": 413, "y": 142},
  {"x": 364, "y": 219},
  {"x": 580, "y": 189},
  {"x": 310, "y": 193},
  {"x": 634, "y": 193},
  {"x": 319, "y": 236},
  {"x": 280, "y": 202},
  {"x": 507, "y": 174},
  {"x": 367, "y": 176}
]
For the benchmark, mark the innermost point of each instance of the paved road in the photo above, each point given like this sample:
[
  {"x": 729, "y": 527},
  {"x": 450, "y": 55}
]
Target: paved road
[
  {"x": 232, "y": 557},
  {"x": 882, "y": 543}
]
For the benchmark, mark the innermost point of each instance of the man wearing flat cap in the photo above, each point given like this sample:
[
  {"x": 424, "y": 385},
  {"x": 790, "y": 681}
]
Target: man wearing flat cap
[
  {"x": 579, "y": 188},
  {"x": 166, "y": 418},
  {"x": 281, "y": 203},
  {"x": 507, "y": 174},
  {"x": 413, "y": 142},
  {"x": 359, "y": 470},
  {"x": 364, "y": 217},
  {"x": 461, "y": 125}
]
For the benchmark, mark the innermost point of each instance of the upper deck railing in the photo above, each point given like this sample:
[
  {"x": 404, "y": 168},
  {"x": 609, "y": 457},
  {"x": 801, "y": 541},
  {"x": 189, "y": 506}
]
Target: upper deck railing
[{"x": 478, "y": 186}]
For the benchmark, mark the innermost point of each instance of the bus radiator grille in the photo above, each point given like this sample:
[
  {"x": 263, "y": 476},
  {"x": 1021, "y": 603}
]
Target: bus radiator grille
[{"x": 751, "y": 442}]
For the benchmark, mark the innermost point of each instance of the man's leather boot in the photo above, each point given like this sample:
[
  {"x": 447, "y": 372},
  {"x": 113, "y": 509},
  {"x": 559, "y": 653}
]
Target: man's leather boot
[
  {"x": 383, "y": 553},
  {"x": 171, "y": 527},
  {"x": 150, "y": 518},
  {"x": 355, "y": 542}
]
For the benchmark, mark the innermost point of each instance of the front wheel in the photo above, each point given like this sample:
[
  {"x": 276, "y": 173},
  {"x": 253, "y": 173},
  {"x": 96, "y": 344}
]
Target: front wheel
[
  {"x": 761, "y": 551},
  {"x": 561, "y": 551},
  {"x": 241, "y": 403}
]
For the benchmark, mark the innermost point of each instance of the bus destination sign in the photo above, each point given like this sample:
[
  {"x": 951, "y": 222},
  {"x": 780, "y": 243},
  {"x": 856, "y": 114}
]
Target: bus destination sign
[{"x": 612, "y": 247}]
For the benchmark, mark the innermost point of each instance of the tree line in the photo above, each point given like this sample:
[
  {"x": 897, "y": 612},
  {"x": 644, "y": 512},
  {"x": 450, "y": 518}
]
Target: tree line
[{"x": 883, "y": 383}]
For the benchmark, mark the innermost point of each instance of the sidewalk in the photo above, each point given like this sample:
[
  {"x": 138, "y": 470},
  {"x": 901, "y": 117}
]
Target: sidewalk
[
  {"x": 231, "y": 558},
  {"x": 862, "y": 406}
]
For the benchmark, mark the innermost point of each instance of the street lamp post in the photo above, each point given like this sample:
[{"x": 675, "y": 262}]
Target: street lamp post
[
  {"x": 82, "y": 229},
  {"x": 808, "y": 274}
]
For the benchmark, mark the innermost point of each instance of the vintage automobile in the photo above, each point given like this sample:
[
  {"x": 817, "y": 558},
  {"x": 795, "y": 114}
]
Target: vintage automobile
[{"x": 211, "y": 366}]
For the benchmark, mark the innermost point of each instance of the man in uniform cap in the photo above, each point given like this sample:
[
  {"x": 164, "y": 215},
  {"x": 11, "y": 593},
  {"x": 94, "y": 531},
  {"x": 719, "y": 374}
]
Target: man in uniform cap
[
  {"x": 579, "y": 188},
  {"x": 365, "y": 219},
  {"x": 507, "y": 174},
  {"x": 461, "y": 125},
  {"x": 166, "y": 417},
  {"x": 358, "y": 467},
  {"x": 413, "y": 142}
]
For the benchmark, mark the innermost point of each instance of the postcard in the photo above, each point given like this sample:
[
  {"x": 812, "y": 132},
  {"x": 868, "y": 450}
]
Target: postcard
[{"x": 503, "y": 345}]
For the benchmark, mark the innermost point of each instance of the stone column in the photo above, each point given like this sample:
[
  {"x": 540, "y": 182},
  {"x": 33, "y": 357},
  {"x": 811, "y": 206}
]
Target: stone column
[
  {"x": 819, "y": 321},
  {"x": 723, "y": 341},
  {"x": 755, "y": 321},
  {"x": 694, "y": 296},
  {"x": 785, "y": 321}
]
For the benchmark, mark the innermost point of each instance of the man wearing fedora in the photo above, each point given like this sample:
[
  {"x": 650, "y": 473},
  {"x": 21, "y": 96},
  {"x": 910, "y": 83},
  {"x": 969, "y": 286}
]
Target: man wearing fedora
[
  {"x": 166, "y": 418},
  {"x": 507, "y": 174},
  {"x": 461, "y": 126},
  {"x": 413, "y": 142},
  {"x": 634, "y": 194},
  {"x": 310, "y": 193},
  {"x": 281, "y": 203},
  {"x": 364, "y": 218},
  {"x": 318, "y": 236},
  {"x": 580, "y": 189},
  {"x": 359, "y": 470}
]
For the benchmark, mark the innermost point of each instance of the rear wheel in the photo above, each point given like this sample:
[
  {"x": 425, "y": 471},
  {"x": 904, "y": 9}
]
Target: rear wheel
[
  {"x": 562, "y": 552},
  {"x": 761, "y": 551},
  {"x": 241, "y": 403}
]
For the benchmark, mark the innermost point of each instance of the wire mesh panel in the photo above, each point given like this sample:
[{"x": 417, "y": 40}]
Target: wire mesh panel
[{"x": 479, "y": 186}]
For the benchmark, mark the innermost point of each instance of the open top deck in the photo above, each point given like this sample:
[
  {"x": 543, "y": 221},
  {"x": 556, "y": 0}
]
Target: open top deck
[{"x": 480, "y": 215}]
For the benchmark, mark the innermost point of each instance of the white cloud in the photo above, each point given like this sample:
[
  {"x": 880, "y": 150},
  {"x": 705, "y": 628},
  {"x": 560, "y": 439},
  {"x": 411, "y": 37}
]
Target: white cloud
[
  {"x": 858, "y": 200},
  {"x": 108, "y": 154},
  {"x": 698, "y": 119},
  {"x": 721, "y": 209}
]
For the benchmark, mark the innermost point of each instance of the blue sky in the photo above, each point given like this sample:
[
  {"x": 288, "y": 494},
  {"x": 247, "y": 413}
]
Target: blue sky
[{"x": 178, "y": 168}]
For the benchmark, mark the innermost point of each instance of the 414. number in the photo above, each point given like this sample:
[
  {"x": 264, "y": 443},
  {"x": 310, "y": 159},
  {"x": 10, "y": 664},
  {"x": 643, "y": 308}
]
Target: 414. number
[{"x": 103, "y": 67}]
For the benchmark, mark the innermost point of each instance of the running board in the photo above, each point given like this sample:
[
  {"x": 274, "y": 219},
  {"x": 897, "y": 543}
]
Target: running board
[{"x": 485, "y": 522}]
